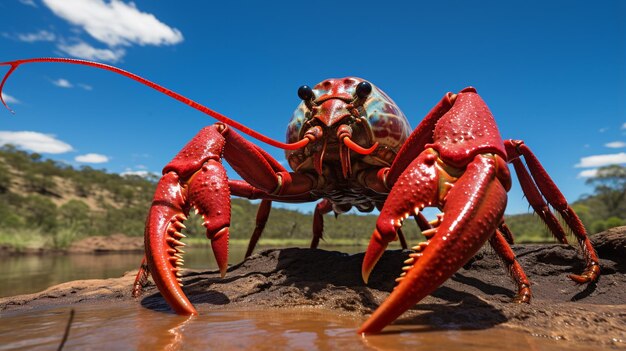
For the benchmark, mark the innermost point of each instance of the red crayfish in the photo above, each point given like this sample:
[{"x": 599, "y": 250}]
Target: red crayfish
[{"x": 349, "y": 145}]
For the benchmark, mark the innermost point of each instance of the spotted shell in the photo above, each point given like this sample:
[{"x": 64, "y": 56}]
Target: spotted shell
[{"x": 389, "y": 127}]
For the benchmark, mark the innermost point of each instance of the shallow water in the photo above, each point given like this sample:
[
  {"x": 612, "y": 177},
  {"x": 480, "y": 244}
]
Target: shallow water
[
  {"x": 33, "y": 273},
  {"x": 128, "y": 326}
]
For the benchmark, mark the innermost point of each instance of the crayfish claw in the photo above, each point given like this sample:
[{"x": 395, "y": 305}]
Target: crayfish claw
[
  {"x": 374, "y": 252},
  {"x": 210, "y": 195},
  {"x": 219, "y": 245},
  {"x": 464, "y": 230},
  {"x": 163, "y": 246},
  {"x": 194, "y": 179}
]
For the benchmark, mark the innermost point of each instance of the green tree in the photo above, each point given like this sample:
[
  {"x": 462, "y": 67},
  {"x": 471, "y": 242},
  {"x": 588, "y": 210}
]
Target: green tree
[
  {"x": 40, "y": 183},
  {"x": 8, "y": 218},
  {"x": 75, "y": 214},
  {"x": 610, "y": 189},
  {"x": 5, "y": 178},
  {"x": 82, "y": 187},
  {"x": 40, "y": 212}
]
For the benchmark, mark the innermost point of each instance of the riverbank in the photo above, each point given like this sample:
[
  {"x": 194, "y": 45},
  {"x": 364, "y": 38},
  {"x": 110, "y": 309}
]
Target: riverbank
[
  {"x": 120, "y": 243},
  {"x": 115, "y": 243},
  {"x": 475, "y": 298},
  {"x": 34, "y": 243}
]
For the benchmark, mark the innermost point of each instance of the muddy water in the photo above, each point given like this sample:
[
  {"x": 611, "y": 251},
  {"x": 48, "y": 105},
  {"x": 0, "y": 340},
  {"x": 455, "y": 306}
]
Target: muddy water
[{"x": 128, "y": 326}]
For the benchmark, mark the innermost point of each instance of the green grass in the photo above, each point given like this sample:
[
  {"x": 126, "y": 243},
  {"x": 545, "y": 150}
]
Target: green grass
[
  {"x": 25, "y": 239},
  {"x": 277, "y": 242},
  {"x": 29, "y": 239},
  {"x": 63, "y": 238}
]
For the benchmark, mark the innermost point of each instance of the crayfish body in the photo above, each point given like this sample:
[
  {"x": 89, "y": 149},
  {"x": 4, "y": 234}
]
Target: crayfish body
[{"x": 349, "y": 145}]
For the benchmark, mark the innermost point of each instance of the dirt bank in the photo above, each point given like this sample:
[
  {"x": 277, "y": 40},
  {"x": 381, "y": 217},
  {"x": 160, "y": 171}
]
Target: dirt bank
[
  {"x": 476, "y": 297},
  {"x": 118, "y": 243}
]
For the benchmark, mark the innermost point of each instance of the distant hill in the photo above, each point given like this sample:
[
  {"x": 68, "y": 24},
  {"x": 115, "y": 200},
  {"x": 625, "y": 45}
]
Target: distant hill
[{"x": 45, "y": 203}]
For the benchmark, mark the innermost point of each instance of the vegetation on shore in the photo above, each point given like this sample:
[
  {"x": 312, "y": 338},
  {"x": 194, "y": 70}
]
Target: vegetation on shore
[{"x": 48, "y": 204}]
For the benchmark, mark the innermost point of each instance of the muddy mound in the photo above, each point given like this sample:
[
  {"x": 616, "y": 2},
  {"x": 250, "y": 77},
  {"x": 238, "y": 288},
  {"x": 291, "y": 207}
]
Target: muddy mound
[{"x": 476, "y": 297}]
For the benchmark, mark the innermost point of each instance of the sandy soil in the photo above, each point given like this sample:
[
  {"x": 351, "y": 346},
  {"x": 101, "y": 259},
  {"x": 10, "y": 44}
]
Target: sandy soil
[{"x": 476, "y": 297}]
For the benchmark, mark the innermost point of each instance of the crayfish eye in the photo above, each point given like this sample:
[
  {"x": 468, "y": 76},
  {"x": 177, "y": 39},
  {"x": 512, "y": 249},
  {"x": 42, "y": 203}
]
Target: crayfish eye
[
  {"x": 305, "y": 93},
  {"x": 363, "y": 90}
]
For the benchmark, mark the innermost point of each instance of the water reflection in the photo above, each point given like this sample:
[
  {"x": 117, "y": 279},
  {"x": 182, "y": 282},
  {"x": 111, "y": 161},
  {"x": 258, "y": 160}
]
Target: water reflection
[
  {"x": 32, "y": 273},
  {"x": 167, "y": 334},
  {"x": 128, "y": 326}
]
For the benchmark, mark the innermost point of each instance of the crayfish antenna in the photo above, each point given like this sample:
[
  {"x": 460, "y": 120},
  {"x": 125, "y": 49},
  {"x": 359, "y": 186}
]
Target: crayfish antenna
[
  {"x": 174, "y": 95},
  {"x": 6, "y": 76}
]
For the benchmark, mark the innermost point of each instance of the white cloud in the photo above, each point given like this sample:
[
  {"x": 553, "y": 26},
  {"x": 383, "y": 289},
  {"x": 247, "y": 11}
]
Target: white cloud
[
  {"x": 34, "y": 141},
  {"x": 141, "y": 173},
  {"x": 602, "y": 160},
  {"x": 42, "y": 35},
  {"x": 624, "y": 126},
  {"x": 85, "y": 86},
  {"x": 91, "y": 158},
  {"x": 616, "y": 144},
  {"x": 88, "y": 52},
  {"x": 588, "y": 173},
  {"x": 62, "y": 83},
  {"x": 29, "y": 3},
  {"x": 9, "y": 99},
  {"x": 115, "y": 23}
]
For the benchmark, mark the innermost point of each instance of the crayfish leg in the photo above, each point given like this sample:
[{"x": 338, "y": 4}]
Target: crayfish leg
[
  {"x": 541, "y": 191},
  {"x": 500, "y": 245},
  {"x": 141, "y": 280}
]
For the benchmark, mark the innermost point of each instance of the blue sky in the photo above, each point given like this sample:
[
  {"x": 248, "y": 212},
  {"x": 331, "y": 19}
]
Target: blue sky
[{"x": 552, "y": 72}]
